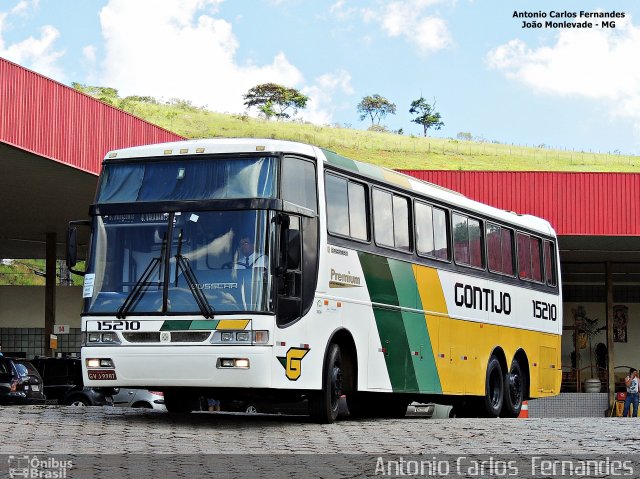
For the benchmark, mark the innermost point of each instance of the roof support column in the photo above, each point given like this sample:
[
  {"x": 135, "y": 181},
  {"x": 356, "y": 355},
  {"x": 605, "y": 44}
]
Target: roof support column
[
  {"x": 50, "y": 292},
  {"x": 610, "y": 359}
]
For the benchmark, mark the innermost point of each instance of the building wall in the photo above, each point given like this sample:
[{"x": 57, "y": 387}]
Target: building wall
[
  {"x": 22, "y": 320},
  {"x": 625, "y": 354},
  {"x": 23, "y": 306}
]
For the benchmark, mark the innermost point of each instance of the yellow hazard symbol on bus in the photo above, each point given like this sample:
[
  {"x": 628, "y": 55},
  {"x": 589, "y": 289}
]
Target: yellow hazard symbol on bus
[{"x": 292, "y": 363}]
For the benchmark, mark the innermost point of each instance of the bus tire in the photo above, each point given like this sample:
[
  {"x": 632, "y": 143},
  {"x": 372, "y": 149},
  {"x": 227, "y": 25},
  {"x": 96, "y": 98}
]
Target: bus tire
[
  {"x": 324, "y": 405},
  {"x": 515, "y": 387},
  {"x": 177, "y": 402},
  {"x": 494, "y": 388}
]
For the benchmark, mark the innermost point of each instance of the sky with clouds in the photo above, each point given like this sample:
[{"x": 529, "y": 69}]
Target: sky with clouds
[{"x": 565, "y": 88}]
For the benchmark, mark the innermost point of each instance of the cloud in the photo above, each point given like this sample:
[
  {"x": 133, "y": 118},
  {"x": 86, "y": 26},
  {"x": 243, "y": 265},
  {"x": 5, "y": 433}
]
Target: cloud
[
  {"x": 169, "y": 48},
  {"x": 321, "y": 105},
  {"x": 409, "y": 19},
  {"x": 597, "y": 64},
  {"x": 35, "y": 52}
]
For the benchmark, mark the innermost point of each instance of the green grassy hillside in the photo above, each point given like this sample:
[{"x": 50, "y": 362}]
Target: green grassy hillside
[{"x": 387, "y": 149}]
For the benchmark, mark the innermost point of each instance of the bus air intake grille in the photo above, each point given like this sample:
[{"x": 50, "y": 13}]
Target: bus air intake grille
[
  {"x": 189, "y": 336},
  {"x": 176, "y": 337},
  {"x": 145, "y": 337}
]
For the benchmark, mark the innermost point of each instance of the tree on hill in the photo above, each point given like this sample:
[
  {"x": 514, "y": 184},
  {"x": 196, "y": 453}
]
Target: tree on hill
[
  {"x": 428, "y": 117},
  {"x": 375, "y": 107},
  {"x": 272, "y": 99}
]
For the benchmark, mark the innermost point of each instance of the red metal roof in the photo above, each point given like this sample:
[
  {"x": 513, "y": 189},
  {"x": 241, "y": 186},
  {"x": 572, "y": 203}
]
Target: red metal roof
[
  {"x": 594, "y": 204},
  {"x": 55, "y": 121}
]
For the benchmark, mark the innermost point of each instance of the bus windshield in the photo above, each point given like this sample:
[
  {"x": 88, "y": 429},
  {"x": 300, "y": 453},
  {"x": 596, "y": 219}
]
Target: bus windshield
[{"x": 202, "y": 262}]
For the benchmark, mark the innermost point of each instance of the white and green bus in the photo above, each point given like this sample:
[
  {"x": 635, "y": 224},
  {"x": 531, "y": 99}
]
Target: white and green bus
[{"x": 247, "y": 268}]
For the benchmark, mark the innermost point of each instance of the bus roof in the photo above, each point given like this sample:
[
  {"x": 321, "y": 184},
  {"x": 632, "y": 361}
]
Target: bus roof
[{"x": 252, "y": 145}]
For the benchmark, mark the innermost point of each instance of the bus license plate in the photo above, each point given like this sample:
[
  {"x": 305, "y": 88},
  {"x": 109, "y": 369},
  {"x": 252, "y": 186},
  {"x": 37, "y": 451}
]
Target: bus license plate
[{"x": 105, "y": 375}]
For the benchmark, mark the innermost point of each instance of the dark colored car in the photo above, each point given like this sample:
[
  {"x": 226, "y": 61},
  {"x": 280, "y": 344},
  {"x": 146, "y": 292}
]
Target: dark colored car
[
  {"x": 63, "y": 383},
  {"x": 20, "y": 382}
]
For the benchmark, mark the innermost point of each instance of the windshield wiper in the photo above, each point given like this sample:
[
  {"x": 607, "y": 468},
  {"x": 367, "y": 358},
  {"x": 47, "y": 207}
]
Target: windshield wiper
[
  {"x": 136, "y": 293},
  {"x": 183, "y": 264}
]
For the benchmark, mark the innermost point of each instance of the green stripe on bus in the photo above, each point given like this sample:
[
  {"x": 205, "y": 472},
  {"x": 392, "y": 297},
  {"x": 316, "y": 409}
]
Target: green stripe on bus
[
  {"x": 208, "y": 324},
  {"x": 337, "y": 160},
  {"x": 418, "y": 339},
  {"x": 390, "y": 322},
  {"x": 175, "y": 325}
]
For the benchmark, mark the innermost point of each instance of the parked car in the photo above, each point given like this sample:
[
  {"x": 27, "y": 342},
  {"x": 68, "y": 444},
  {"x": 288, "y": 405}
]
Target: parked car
[
  {"x": 139, "y": 398},
  {"x": 63, "y": 383},
  {"x": 20, "y": 382}
]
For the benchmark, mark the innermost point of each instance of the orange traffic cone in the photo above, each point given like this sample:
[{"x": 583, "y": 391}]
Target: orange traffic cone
[{"x": 524, "y": 410}]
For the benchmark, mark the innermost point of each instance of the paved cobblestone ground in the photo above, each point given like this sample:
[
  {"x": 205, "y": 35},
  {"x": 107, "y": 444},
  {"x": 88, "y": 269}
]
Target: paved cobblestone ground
[{"x": 64, "y": 430}]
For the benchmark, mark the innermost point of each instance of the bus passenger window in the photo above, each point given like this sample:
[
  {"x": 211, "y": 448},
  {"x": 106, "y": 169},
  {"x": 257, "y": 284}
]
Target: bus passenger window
[
  {"x": 494, "y": 248},
  {"x": 460, "y": 239},
  {"x": 431, "y": 231},
  {"x": 358, "y": 212},
  {"x": 337, "y": 205},
  {"x": 401, "y": 222},
  {"x": 440, "y": 237},
  {"x": 524, "y": 256},
  {"x": 500, "y": 249},
  {"x": 391, "y": 220},
  {"x": 424, "y": 229},
  {"x": 475, "y": 243},
  {"x": 382, "y": 217},
  {"x": 529, "y": 257},
  {"x": 507, "y": 251},
  {"x": 549, "y": 263},
  {"x": 347, "y": 208},
  {"x": 467, "y": 241},
  {"x": 536, "y": 260}
]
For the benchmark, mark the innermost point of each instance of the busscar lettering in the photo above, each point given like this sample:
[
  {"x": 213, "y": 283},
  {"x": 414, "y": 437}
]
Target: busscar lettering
[{"x": 483, "y": 299}]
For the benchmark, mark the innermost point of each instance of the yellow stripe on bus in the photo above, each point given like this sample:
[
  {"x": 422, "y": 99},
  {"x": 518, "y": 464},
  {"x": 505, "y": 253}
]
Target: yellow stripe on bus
[{"x": 233, "y": 324}]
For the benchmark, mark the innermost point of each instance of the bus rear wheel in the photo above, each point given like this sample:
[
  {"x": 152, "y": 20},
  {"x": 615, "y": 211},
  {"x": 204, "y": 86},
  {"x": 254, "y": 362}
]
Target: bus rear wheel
[
  {"x": 324, "y": 405},
  {"x": 515, "y": 387},
  {"x": 494, "y": 388}
]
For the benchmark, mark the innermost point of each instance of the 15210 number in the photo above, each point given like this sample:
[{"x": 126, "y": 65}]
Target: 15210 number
[
  {"x": 118, "y": 325},
  {"x": 544, "y": 310}
]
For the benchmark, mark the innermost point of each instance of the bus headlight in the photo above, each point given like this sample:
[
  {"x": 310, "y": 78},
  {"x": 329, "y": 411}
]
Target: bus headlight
[
  {"x": 233, "y": 363},
  {"x": 96, "y": 363},
  {"x": 102, "y": 338},
  {"x": 226, "y": 336},
  {"x": 110, "y": 338},
  {"x": 242, "y": 336}
]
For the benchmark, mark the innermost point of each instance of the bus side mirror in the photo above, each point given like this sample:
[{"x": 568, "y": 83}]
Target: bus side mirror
[{"x": 72, "y": 245}]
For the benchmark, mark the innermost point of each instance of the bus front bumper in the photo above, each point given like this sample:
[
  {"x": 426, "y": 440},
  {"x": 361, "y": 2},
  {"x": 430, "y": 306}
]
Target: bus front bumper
[{"x": 183, "y": 366}]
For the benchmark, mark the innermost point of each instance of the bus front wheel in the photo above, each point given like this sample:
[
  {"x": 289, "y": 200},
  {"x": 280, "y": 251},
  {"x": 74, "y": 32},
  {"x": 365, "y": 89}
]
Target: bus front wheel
[
  {"x": 494, "y": 388},
  {"x": 324, "y": 404}
]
